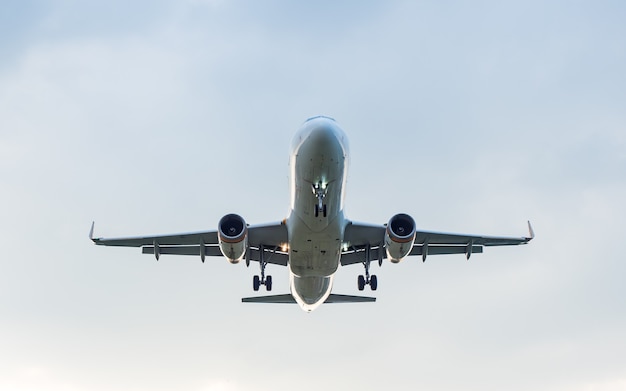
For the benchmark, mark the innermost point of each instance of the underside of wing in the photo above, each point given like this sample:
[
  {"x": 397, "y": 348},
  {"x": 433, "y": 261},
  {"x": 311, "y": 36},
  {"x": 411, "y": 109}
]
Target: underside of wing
[
  {"x": 365, "y": 242},
  {"x": 440, "y": 238},
  {"x": 266, "y": 239},
  {"x": 191, "y": 238}
]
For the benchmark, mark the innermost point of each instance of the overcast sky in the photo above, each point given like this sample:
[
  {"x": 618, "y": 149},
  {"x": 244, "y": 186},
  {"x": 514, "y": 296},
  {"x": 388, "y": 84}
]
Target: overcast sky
[{"x": 155, "y": 117}]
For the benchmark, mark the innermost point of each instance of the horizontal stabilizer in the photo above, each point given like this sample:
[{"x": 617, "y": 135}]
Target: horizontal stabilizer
[
  {"x": 279, "y": 299},
  {"x": 288, "y": 299},
  {"x": 349, "y": 299}
]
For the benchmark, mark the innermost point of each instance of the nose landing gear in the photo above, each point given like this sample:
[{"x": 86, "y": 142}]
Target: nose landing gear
[
  {"x": 319, "y": 190},
  {"x": 317, "y": 210}
]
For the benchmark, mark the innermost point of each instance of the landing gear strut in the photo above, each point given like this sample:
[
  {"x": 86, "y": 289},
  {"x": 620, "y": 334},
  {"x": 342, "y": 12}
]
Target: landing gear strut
[
  {"x": 319, "y": 190},
  {"x": 372, "y": 280},
  {"x": 257, "y": 281}
]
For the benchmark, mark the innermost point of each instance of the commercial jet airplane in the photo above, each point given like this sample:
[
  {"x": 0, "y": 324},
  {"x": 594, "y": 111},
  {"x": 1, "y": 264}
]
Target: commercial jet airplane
[{"x": 316, "y": 237}]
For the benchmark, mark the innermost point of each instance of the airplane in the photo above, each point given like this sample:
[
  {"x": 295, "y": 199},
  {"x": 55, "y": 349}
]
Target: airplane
[{"x": 316, "y": 237}]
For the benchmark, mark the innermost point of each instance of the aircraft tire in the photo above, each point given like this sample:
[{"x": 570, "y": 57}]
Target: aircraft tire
[
  {"x": 374, "y": 282},
  {"x": 256, "y": 283},
  {"x": 361, "y": 282}
]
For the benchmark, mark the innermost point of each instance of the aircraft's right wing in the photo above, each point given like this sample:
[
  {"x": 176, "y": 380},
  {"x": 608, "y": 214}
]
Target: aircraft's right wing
[
  {"x": 270, "y": 237},
  {"x": 365, "y": 242}
]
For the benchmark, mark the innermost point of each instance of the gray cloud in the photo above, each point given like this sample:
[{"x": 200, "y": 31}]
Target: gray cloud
[{"x": 162, "y": 118}]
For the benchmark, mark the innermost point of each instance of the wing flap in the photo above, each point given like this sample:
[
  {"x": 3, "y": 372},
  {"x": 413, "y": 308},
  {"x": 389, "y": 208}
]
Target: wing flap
[
  {"x": 273, "y": 257},
  {"x": 442, "y": 250},
  {"x": 353, "y": 256},
  {"x": 211, "y": 251},
  {"x": 358, "y": 256}
]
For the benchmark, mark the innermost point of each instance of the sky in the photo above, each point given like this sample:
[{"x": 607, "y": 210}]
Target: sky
[{"x": 156, "y": 117}]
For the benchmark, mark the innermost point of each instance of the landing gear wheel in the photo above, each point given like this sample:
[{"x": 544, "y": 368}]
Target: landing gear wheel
[
  {"x": 319, "y": 191},
  {"x": 361, "y": 282},
  {"x": 256, "y": 283},
  {"x": 268, "y": 283},
  {"x": 373, "y": 282}
]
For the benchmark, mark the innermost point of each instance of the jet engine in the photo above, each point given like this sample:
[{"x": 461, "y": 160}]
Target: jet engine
[
  {"x": 399, "y": 237},
  {"x": 232, "y": 234}
]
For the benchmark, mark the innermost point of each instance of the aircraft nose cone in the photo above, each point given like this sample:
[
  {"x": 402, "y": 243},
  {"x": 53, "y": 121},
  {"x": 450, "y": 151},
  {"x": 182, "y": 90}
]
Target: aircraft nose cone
[
  {"x": 320, "y": 133},
  {"x": 323, "y": 135}
]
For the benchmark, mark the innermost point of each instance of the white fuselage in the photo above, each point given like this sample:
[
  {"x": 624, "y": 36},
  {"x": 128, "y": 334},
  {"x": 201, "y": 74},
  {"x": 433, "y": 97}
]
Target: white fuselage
[{"x": 316, "y": 222}]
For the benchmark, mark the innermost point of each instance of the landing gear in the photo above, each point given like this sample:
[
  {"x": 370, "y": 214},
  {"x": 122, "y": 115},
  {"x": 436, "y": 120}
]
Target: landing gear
[
  {"x": 372, "y": 280},
  {"x": 317, "y": 210},
  {"x": 319, "y": 189},
  {"x": 268, "y": 283},
  {"x": 361, "y": 282},
  {"x": 257, "y": 281}
]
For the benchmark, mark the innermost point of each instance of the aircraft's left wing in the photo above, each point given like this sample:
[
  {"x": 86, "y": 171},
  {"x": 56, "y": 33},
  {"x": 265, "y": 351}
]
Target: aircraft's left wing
[
  {"x": 365, "y": 242},
  {"x": 269, "y": 237}
]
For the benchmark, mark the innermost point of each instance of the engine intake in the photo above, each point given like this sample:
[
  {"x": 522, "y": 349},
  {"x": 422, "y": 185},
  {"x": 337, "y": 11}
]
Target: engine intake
[
  {"x": 399, "y": 237},
  {"x": 232, "y": 234}
]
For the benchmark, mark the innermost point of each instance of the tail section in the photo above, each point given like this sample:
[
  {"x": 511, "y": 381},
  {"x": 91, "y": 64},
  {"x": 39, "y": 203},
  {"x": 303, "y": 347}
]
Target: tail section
[{"x": 288, "y": 299}]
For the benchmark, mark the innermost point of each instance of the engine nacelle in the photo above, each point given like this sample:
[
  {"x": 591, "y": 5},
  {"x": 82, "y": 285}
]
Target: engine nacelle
[
  {"x": 399, "y": 237},
  {"x": 232, "y": 234}
]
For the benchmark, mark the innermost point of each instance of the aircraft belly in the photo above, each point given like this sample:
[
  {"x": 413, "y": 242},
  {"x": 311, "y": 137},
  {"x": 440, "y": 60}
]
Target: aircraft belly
[{"x": 314, "y": 255}]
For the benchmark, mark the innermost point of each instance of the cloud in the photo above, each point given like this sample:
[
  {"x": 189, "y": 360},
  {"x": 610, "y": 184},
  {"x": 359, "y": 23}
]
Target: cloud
[{"x": 472, "y": 118}]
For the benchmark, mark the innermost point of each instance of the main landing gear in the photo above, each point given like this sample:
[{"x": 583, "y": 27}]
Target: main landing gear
[
  {"x": 257, "y": 281},
  {"x": 319, "y": 189},
  {"x": 366, "y": 279}
]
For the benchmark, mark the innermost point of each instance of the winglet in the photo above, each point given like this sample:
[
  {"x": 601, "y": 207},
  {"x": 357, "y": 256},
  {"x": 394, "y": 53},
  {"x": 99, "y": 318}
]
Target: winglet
[
  {"x": 530, "y": 231},
  {"x": 91, "y": 230}
]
